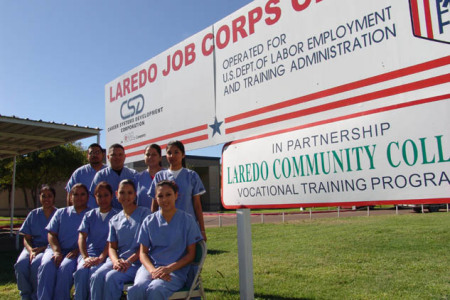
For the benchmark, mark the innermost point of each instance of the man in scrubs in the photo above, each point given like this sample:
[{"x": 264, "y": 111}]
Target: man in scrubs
[
  {"x": 115, "y": 173},
  {"x": 85, "y": 174}
]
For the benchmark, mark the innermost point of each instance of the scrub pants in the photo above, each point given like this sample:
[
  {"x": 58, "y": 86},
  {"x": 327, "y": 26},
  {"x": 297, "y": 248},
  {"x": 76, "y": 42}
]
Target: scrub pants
[
  {"x": 107, "y": 283},
  {"x": 157, "y": 289},
  {"x": 26, "y": 274},
  {"x": 50, "y": 276},
  {"x": 81, "y": 278}
]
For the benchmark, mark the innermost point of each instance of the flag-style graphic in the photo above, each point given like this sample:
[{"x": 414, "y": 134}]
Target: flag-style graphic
[{"x": 431, "y": 19}]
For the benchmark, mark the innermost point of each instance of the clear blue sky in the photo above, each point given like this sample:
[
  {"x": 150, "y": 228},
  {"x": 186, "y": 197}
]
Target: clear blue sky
[{"x": 56, "y": 56}]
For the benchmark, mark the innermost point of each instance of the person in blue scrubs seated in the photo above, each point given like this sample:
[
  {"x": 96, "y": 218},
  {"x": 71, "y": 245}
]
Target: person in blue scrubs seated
[
  {"x": 93, "y": 233},
  {"x": 85, "y": 174},
  {"x": 55, "y": 274},
  {"x": 152, "y": 158},
  {"x": 115, "y": 173},
  {"x": 35, "y": 242},
  {"x": 189, "y": 184},
  {"x": 167, "y": 247},
  {"x": 123, "y": 262}
]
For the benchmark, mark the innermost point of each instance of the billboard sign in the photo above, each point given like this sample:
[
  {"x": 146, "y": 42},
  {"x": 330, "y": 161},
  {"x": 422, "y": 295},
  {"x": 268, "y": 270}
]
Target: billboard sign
[
  {"x": 312, "y": 60},
  {"x": 276, "y": 65},
  {"x": 169, "y": 96},
  {"x": 364, "y": 158}
]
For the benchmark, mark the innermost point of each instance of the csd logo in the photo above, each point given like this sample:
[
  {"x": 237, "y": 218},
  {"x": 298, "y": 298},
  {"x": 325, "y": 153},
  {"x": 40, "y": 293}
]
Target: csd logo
[{"x": 132, "y": 107}]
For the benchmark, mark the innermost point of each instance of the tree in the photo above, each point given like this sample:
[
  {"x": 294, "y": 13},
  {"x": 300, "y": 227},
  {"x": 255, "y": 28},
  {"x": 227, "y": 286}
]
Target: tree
[
  {"x": 48, "y": 166},
  {"x": 5, "y": 176}
]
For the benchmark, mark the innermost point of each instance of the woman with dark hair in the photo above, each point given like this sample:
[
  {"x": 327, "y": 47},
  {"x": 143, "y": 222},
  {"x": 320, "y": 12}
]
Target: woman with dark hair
[
  {"x": 188, "y": 181},
  {"x": 121, "y": 266},
  {"x": 92, "y": 236},
  {"x": 60, "y": 259},
  {"x": 152, "y": 155},
  {"x": 35, "y": 242},
  {"x": 167, "y": 246}
]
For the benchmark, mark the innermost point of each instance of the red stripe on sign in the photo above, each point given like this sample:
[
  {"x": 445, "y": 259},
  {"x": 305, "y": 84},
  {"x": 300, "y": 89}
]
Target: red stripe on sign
[
  {"x": 351, "y": 116},
  {"x": 344, "y": 88},
  {"x": 345, "y": 102},
  {"x": 359, "y": 203},
  {"x": 426, "y": 5},
  {"x": 415, "y": 17},
  {"x": 185, "y": 142},
  {"x": 168, "y": 136},
  {"x": 140, "y": 152},
  {"x": 199, "y": 138}
]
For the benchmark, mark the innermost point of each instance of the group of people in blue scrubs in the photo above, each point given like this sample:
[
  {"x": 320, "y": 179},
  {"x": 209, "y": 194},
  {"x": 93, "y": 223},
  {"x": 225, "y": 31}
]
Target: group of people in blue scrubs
[{"x": 142, "y": 228}]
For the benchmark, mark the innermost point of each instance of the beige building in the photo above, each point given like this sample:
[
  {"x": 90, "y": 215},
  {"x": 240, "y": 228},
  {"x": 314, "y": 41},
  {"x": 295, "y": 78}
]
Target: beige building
[
  {"x": 20, "y": 208},
  {"x": 208, "y": 168}
]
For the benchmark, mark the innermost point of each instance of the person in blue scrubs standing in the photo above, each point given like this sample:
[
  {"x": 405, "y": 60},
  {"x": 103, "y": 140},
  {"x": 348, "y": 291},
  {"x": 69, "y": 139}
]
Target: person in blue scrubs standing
[
  {"x": 35, "y": 242},
  {"x": 152, "y": 158},
  {"x": 167, "y": 247},
  {"x": 123, "y": 262},
  {"x": 93, "y": 233},
  {"x": 115, "y": 173},
  {"x": 189, "y": 184},
  {"x": 85, "y": 174},
  {"x": 60, "y": 258}
]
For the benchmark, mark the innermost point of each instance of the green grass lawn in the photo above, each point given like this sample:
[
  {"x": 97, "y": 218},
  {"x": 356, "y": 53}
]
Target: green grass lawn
[
  {"x": 377, "y": 257},
  {"x": 7, "y": 221},
  {"x": 383, "y": 257}
]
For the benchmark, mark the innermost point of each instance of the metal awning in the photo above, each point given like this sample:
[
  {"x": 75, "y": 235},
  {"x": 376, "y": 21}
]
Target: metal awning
[{"x": 20, "y": 136}]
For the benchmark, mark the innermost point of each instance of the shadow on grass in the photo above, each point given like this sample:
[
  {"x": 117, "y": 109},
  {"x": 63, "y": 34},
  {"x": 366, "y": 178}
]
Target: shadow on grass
[
  {"x": 257, "y": 295},
  {"x": 216, "y": 252}
]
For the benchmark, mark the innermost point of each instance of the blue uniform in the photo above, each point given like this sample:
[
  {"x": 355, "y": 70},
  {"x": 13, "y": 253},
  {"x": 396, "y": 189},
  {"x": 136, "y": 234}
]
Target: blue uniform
[
  {"x": 26, "y": 272},
  {"x": 143, "y": 182},
  {"x": 84, "y": 174},
  {"x": 189, "y": 185},
  {"x": 97, "y": 231},
  {"x": 107, "y": 283},
  {"x": 167, "y": 243},
  {"x": 111, "y": 177},
  {"x": 64, "y": 223}
]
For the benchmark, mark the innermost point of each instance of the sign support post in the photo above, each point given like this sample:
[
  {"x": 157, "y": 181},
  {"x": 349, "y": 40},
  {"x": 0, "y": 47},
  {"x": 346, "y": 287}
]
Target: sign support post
[{"x": 244, "y": 235}]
